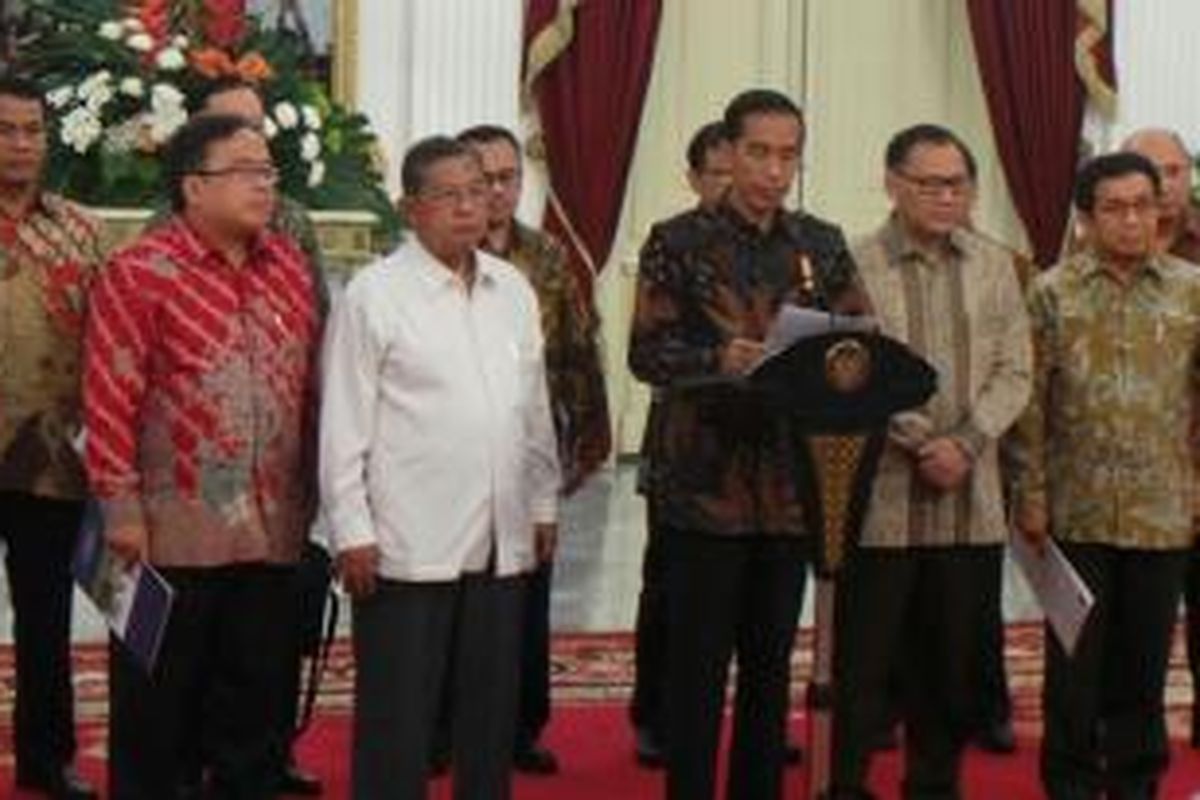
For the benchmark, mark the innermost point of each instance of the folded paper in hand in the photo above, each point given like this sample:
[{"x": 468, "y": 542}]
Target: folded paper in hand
[
  {"x": 1063, "y": 595},
  {"x": 135, "y": 600}
]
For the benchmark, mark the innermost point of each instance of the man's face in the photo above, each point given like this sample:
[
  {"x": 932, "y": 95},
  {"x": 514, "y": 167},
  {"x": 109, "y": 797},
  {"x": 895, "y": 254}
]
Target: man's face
[
  {"x": 932, "y": 192},
  {"x": 502, "y": 171},
  {"x": 715, "y": 175},
  {"x": 1124, "y": 220},
  {"x": 240, "y": 102},
  {"x": 22, "y": 140},
  {"x": 764, "y": 160},
  {"x": 449, "y": 213},
  {"x": 235, "y": 190},
  {"x": 1174, "y": 168}
]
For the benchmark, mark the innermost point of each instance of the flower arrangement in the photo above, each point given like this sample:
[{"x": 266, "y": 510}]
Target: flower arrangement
[{"x": 119, "y": 77}]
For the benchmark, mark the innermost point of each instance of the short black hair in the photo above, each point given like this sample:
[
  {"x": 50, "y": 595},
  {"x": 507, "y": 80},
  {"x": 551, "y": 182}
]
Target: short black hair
[
  {"x": 486, "y": 134},
  {"x": 1104, "y": 168},
  {"x": 423, "y": 155},
  {"x": 757, "y": 101},
  {"x": 188, "y": 148},
  {"x": 708, "y": 137},
  {"x": 210, "y": 89},
  {"x": 904, "y": 142},
  {"x": 22, "y": 87}
]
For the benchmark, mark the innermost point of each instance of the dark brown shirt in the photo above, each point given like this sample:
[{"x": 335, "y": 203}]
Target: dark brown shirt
[{"x": 720, "y": 456}]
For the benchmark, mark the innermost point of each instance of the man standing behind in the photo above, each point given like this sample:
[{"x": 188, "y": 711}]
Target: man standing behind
[
  {"x": 577, "y": 401},
  {"x": 1107, "y": 469},
  {"x": 1178, "y": 215},
  {"x": 709, "y": 161},
  {"x": 914, "y": 594},
  {"x": 49, "y": 251},
  {"x": 708, "y": 291},
  {"x": 439, "y": 476},
  {"x": 199, "y": 405}
]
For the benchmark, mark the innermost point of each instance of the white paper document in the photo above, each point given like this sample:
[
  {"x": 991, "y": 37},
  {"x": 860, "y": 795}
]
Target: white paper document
[
  {"x": 1064, "y": 596},
  {"x": 794, "y": 323}
]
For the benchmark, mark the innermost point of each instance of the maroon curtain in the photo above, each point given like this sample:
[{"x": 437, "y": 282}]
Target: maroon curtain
[
  {"x": 1026, "y": 58},
  {"x": 589, "y": 101}
]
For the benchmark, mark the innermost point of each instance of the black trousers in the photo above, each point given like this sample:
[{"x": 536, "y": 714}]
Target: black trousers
[
  {"x": 1191, "y": 597},
  {"x": 650, "y": 634},
  {"x": 919, "y": 611},
  {"x": 1103, "y": 705},
  {"x": 410, "y": 640},
  {"x": 730, "y": 595},
  {"x": 996, "y": 702},
  {"x": 533, "y": 709},
  {"x": 213, "y": 697},
  {"x": 39, "y": 535}
]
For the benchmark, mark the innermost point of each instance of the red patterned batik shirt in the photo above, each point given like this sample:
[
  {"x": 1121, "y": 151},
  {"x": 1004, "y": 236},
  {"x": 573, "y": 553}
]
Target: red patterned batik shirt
[{"x": 198, "y": 397}]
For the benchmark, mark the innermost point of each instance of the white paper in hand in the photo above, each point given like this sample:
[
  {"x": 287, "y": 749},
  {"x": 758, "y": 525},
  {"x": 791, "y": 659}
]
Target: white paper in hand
[{"x": 1063, "y": 595}]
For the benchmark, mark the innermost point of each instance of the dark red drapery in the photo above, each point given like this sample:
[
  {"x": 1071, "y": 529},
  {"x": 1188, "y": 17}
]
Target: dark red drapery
[
  {"x": 1026, "y": 59},
  {"x": 589, "y": 102}
]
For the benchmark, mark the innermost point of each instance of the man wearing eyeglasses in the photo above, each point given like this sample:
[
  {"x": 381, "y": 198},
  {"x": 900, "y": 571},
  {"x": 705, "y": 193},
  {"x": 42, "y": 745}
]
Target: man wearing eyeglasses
[
  {"x": 913, "y": 598},
  {"x": 578, "y": 402},
  {"x": 440, "y": 478},
  {"x": 1108, "y": 471},
  {"x": 200, "y": 408}
]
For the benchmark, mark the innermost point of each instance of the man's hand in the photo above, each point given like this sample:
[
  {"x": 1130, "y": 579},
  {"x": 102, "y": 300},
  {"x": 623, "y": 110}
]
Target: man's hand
[
  {"x": 128, "y": 542},
  {"x": 1033, "y": 524},
  {"x": 357, "y": 567},
  {"x": 739, "y": 355},
  {"x": 545, "y": 540},
  {"x": 943, "y": 464}
]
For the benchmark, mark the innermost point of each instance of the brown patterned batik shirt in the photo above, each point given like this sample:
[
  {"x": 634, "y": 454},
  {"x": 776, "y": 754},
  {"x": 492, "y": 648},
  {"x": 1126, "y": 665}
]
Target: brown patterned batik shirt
[
  {"x": 574, "y": 373},
  {"x": 48, "y": 257},
  {"x": 721, "y": 458},
  {"x": 1104, "y": 446}
]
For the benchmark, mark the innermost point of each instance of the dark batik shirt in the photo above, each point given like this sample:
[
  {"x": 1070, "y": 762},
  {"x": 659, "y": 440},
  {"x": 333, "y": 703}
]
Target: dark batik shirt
[
  {"x": 720, "y": 457},
  {"x": 574, "y": 373}
]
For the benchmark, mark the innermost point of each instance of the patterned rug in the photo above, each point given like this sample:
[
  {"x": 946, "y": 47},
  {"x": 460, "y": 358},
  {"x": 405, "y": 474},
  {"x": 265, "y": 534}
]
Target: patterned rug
[{"x": 598, "y": 668}]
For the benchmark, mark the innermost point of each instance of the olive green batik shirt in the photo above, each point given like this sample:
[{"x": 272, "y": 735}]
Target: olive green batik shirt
[{"x": 1105, "y": 445}]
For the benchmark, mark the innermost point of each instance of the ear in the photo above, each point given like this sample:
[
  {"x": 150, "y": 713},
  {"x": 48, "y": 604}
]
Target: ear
[
  {"x": 693, "y": 180},
  {"x": 891, "y": 184},
  {"x": 190, "y": 186}
]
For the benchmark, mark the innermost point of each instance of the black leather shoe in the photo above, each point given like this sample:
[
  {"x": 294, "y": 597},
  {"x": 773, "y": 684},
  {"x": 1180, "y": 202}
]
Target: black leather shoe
[
  {"x": 793, "y": 754},
  {"x": 648, "y": 749},
  {"x": 997, "y": 737},
  {"x": 535, "y": 760},
  {"x": 66, "y": 784},
  {"x": 295, "y": 781}
]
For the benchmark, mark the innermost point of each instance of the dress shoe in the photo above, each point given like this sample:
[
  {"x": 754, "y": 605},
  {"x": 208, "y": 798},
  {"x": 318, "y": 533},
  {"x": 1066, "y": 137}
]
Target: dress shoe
[
  {"x": 534, "y": 759},
  {"x": 648, "y": 748},
  {"x": 65, "y": 784},
  {"x": 793, "y": 754},
  {"x": 294, "y": 781},
  {"x": 439, "y": 763},
  {"x": 997, "y": 737}
]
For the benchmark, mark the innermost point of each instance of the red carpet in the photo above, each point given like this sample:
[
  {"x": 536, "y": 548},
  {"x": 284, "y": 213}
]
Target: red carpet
[{"x": 592, "y": 737}]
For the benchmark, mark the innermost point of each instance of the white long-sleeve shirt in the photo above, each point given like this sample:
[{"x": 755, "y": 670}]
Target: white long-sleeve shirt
[{"x": 436, "y": 435}]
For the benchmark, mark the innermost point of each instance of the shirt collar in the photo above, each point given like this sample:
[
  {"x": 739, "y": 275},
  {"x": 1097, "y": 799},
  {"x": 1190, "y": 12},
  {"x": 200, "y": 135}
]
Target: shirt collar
[
  {"x": 1093, "y": 267},
  {"x": 900, "y": 246},
  {"x": 195, "y": 250},
  {"x": 782, "y": 224},
  {"x": 438, "y": 276}
]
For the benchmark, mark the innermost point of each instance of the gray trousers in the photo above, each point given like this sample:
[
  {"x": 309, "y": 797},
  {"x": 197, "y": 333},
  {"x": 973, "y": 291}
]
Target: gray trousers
[{"x": 410, "y": 640}]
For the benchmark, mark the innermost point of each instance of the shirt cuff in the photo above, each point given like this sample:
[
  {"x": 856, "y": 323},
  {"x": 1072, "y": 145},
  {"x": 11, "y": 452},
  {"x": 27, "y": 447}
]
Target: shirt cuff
[{"x": 351, "y": 529}]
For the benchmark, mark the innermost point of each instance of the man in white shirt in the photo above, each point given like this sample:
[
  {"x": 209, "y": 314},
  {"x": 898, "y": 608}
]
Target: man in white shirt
[{"x": 439, "y": 476}]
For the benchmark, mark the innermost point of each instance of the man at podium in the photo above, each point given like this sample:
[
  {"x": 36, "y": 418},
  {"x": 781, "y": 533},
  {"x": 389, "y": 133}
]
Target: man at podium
[{"x": 708, "y": 291}]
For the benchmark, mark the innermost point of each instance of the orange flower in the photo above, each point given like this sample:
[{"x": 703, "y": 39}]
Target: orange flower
[
  {"x": 254, "y": 68},
  {"x": 211, "y": 62}
]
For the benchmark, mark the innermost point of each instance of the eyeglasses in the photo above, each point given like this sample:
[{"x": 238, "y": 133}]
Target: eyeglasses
[
  {"x": 932, "y": 186},
  {"x": 1119, "y": 209},
  {"x": 473, "y": 193},
  {"x": 246, "y": 173},
  {"x": 502, "y": 178}
]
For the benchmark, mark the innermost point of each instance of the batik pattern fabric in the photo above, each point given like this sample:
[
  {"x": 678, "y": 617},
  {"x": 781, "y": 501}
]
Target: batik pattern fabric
[
  {"x": 199, "y": 397},
  {"x": 48, "y": 257}
]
